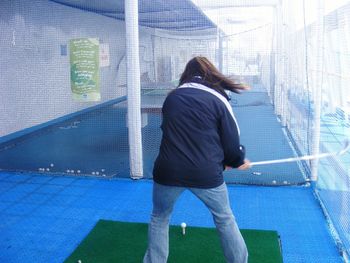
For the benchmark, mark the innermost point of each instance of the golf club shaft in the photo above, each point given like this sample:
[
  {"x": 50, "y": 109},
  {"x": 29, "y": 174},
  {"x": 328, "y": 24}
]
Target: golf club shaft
[{"x": 303, "y": 158}]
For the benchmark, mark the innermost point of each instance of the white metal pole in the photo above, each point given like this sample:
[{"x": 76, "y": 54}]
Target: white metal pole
[
  {"x": 220, "y": 49},
  {"x": 318, "y": 90},
  {"x": 279, "y": 64},
  {"x": 283, "y": 65},
  {"x": 134, "y": 88},
  {"x": 273, "y": 58}
]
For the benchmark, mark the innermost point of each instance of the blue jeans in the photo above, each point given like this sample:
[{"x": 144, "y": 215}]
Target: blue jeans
[{"x": 217, "y": 201}]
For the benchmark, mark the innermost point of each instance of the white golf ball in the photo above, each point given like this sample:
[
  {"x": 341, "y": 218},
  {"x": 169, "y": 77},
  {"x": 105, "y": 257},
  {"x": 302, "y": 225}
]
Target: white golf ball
[
  {"x": 183, "y": 224},
  {"x": 274, "y": 182}
]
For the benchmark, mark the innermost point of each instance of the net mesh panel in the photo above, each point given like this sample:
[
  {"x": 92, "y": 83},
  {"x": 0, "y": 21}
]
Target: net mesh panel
[
  {"x": 248, "y": 57},
  {"x": 42, "y": 128},
  {"x": 295, "y": 55},
  {"x": 314, "y": 61},
  {"x": 171, "y": 52}
]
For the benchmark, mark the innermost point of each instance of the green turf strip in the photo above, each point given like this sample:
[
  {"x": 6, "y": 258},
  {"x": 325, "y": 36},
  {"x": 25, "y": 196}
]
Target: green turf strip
[{"x": 122, "y": 242}]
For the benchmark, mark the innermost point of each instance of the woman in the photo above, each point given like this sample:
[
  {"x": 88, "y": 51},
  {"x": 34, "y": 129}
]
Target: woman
[{"x": 200, "y": 140}]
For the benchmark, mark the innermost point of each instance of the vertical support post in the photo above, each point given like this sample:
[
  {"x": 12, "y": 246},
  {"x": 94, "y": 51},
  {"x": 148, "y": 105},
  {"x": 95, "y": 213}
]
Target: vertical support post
[
  {"x": 220, "y": 50},
  {"x": 273, "y": 54},
  {"x": 318, "y": 89},
  {"x": 279, "y": 60},
  {"x": 284, "y": 67},
  {"x": 134, "y": 89}
]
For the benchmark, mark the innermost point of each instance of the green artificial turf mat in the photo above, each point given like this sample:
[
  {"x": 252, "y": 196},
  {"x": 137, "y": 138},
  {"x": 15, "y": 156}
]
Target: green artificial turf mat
[{"x": 111, "y": 241}]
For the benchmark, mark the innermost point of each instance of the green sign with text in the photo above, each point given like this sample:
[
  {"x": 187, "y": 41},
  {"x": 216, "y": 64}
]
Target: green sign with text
[{"x": 84, "y": 69}]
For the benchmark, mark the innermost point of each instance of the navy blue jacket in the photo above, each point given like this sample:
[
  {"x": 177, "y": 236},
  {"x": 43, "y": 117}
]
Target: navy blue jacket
[{"x": 199, "y": 138}]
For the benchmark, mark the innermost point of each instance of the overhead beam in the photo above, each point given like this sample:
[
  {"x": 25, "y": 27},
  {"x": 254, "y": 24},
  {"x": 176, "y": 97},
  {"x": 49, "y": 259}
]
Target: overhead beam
[{"x": 205, "y": 4}]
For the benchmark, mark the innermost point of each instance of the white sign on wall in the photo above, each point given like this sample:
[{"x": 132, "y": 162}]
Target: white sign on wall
[{"x": 104, "y": 55}]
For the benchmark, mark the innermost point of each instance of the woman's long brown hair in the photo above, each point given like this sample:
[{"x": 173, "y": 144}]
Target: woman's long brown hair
[{"x": 203, "y": 68}]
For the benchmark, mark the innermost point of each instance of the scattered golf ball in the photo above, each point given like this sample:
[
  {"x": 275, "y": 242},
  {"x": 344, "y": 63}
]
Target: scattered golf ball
[
  {"x": 274, "y": 182},
  {"x": 257, "y": 173},
  {"x": 52, "y": 165},
  {"x": 78, "y": 171},
  {"x": 183, "y": 226},
  {"x": 285, "y": 182}
]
